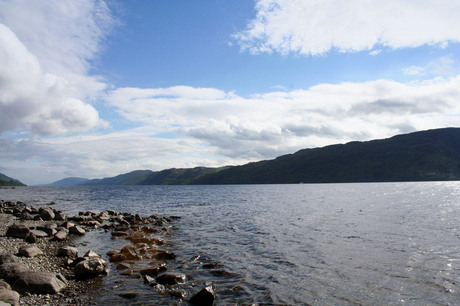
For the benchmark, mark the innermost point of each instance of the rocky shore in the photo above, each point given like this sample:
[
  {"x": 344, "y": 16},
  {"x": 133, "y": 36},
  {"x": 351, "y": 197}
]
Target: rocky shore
[{"x": 41, "y": 265}]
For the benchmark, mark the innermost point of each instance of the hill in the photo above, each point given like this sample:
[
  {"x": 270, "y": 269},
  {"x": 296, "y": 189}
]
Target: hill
[
  {"x": 165, "y": 177},
  {"x": 69, "y": 181},
  {"x": 8, "y": 181},
  {"x": 421, "y": 156},
  {"x": 432, "y": 155}
]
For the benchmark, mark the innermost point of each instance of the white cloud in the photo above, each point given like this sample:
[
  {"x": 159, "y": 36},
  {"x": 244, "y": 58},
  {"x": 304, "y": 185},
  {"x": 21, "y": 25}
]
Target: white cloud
[
  {"x": 45, "y": 49},
  {"x": 317, "y": 26},
  {"x": 267, "y": 125},
  {"x": 443, "y": 66}
]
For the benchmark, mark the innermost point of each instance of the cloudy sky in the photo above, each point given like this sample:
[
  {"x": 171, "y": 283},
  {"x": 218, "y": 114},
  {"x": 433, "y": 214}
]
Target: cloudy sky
[{"x": 94, "y": 88}]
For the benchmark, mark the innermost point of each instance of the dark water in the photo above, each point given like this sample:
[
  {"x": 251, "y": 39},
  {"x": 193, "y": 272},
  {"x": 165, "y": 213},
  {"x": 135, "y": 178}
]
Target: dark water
[{"x": 341, "y": 244}]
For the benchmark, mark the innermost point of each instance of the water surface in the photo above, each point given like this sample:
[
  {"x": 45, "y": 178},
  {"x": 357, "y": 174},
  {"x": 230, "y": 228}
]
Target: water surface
[{"x": 389, "y": 243}]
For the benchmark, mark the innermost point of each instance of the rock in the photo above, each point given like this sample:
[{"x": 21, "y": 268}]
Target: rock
[
  {"x": 26, "y": 216},
  {"x": 60, "y": 216},
  {"x": 92, "y": 254},
  {"x": 10, "y": 271},
  {"x": 46, "y": 213},
  {"x": 18, "y": 231},
  {"x": 68, "y": 251},
  {"x": 129, "y": 295},
  {"x": 90, "y": 268},
  {"x": 123, "y": 266},
  {"x": 117, "y": 257},
  {"x": 7, "y": 258},
  {"x": 61, "y": 235},
  {"x": 67, "y": 225},
  {"x": 130, "y": 252},
  {"x": 149, "y": 280},
  {"x": 39, "y": 233},
  {"x": 30, "y": 251},
  {"x": 153, "y": 270},
  {"x": 76, "y": 230},
  {"x": 119, "y": 234},
  {"x": 31, "y": 238},
  {"x": 204, "y": 297},
  {"x": 40, "y": 282},
  {"x": 162, "y": 254},
  {"x": 9, "y": 296},
  {"x": 4, "y": 285},
  {"x": 171, "y": 278}
]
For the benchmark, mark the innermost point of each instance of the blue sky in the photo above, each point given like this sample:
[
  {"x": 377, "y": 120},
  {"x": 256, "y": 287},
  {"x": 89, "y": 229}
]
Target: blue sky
[{"x": 96, "y": 88}]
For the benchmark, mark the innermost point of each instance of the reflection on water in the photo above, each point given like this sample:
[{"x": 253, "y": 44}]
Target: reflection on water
[{"x": 386, "y": 243}]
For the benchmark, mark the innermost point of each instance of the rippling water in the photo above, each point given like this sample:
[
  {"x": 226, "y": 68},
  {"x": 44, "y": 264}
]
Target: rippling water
[{"x": 392, "y": 243}]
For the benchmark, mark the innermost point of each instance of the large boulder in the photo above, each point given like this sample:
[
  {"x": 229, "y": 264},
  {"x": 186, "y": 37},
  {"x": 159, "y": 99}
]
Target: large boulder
[
  {"x": 30, "y": 251},
  {"x": 7, "y": 258},
  {"x": 10, "y": 271},
  {"x": 9, "y": 296},
  {"x": 90, "y": 268},
  {"x": 18, "y": 231},
  {"x": 40, "y": 282},
  {"x": 204, "y": 297}
]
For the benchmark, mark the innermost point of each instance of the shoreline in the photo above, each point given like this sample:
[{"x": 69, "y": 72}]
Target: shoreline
[{"x": 144, "y": 243}]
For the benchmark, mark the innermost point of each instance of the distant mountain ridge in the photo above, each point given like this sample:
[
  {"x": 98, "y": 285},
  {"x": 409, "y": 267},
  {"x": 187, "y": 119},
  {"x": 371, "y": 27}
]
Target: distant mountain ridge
[
  {"x": 8, "y": 181},
  {"x": 69, "y": 181},
  {"x": 432, "y": 155}
]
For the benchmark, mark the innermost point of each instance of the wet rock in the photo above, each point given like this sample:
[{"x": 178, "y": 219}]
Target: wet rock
[
  {"x": 18, "y": 231},
  {"x": 117, "y": 257},
  {"x": 155, "y": 270},
  {"x": 9, "y": 296},
  {"x": 92, "y": 254},
  {"x": 46, "y": 213},
  {"x": 119, "y": 234},
  {"x": 129, "y": 295},
  {"x": 10, "y": 271},
  {"x": 149, "y": 280},
  {"x": 90, "y": 268},
  {"x": 40, "y": 282},
  {"x": 30, "y": 251},
  {"x": 130, "y": 252},
  {"x": 77, "y": 230},
  {"x": 171, "y": 278},
  {"x": 8, "y": 258},
  {"x": 60, "y": 216},
  {"x": 26, "y": 216},
  {"x": 162, "y": 254},
  {"x": 204, "y": 297},
  {"x": 123, "y": 266},
  {"x": 68, "y": 251}
]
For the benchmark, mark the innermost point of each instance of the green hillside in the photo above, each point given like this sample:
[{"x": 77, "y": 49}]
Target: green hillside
[
  {"x": 8, "y": 181},
  {"x": 420, "y": 156},
  {"x": 432, "y": 155}
]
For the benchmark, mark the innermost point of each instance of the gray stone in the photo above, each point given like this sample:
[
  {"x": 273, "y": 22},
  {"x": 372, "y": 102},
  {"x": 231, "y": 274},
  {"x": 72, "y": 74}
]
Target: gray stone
[
  {"x": 92, "y": 254},
  {"x": 46, "y": 213},
  {"x": 4, "y": 285},
  {"x": 39, "y": 233},
  {"x": 10, "y": 271},
  {"x": 18, "y": 231},
  {"x": 68, "y": 251},
  {"x": 90, "y": 268},
  {"x": 40, "y": 282},
  {"x": 9, "y": 296},
  {"x": 76, "y": 230},
  {"x": 61, "y": 235},
  {"x": 30, "y": 251},
  {"x": 6, "y": 258}
]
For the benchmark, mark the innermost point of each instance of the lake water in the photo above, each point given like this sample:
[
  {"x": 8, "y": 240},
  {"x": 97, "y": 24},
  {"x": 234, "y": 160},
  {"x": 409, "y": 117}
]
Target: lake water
[{"x": 340, "y": 244}]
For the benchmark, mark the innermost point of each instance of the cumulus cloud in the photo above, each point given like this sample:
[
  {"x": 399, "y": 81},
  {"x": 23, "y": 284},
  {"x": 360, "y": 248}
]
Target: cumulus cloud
[
  {"x": 317, "y": 26},
  {"x": 45, "y": 49},
  {"x": 267, "y": 125}
]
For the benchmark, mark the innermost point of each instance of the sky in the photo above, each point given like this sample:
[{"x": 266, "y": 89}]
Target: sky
[{"x": 95, "y": 88}]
